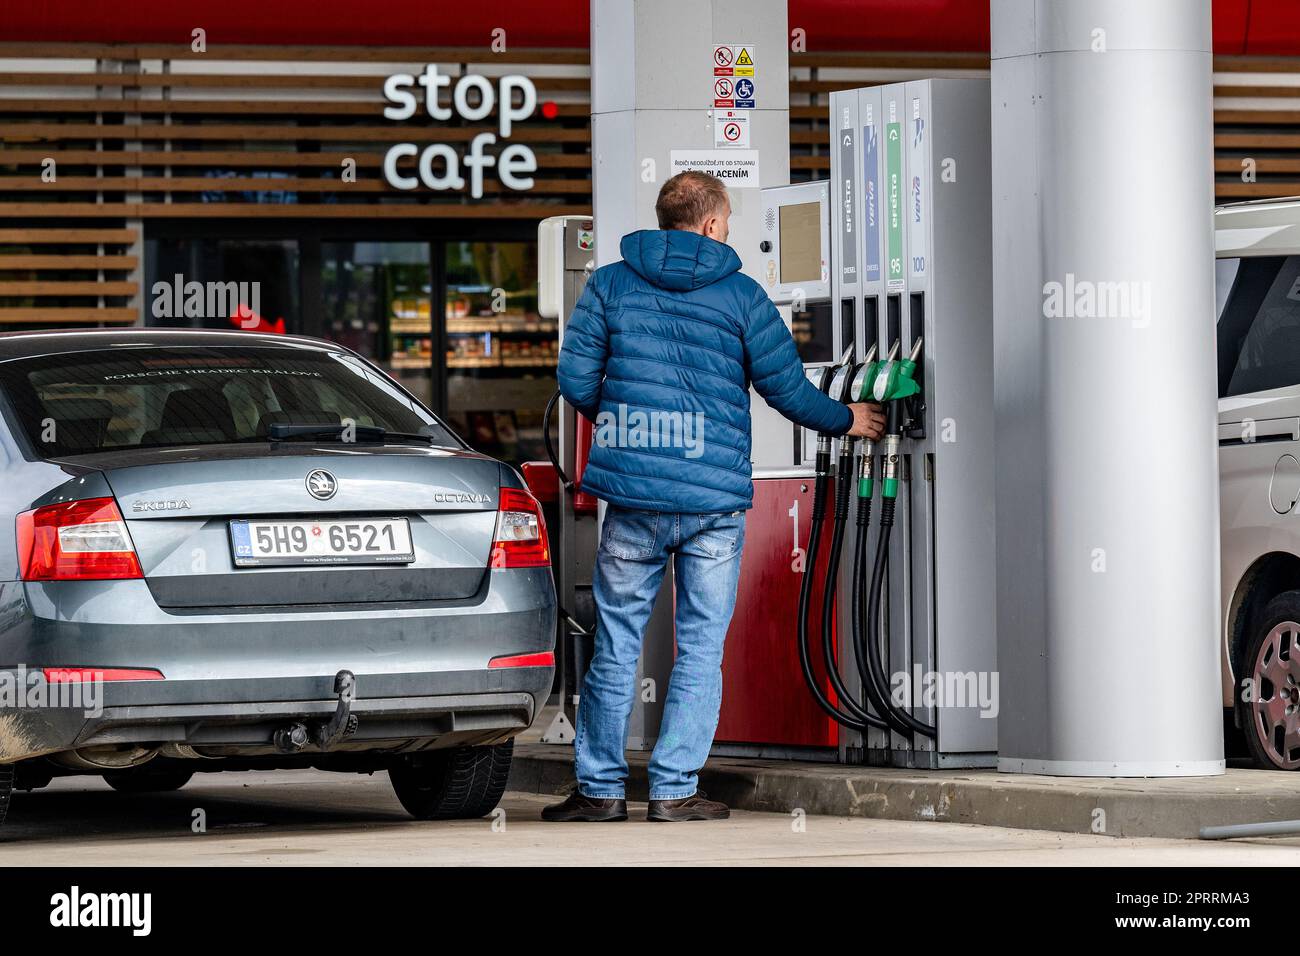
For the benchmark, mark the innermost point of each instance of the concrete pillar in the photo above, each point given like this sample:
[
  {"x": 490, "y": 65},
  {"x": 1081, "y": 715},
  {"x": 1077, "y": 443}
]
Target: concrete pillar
[
  {"x": 1103, "y": 265},
  {"x": 652, "y": 86},
  {"x": 652, "y": 92}
]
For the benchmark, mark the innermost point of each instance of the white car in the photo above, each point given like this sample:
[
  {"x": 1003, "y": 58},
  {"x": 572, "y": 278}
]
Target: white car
[{"x": 1258, "y": 294}]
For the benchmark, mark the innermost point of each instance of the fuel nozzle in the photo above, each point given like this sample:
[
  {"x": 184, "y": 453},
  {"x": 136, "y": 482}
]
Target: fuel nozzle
[
  {"x": 860, "y": 391},
  {"x": 894, "y": 384},
  {"x": 832, "y": 383},
  {"x": 894, "y": 380}
]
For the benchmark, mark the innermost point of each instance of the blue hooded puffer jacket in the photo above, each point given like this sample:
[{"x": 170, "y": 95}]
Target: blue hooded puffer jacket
[{"x": 659, "y": 354}]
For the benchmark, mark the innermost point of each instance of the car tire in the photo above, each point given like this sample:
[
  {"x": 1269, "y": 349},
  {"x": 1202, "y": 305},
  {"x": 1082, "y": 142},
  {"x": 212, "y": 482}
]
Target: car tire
[
  {"x": 459, "y": 784},
  {"x": 6, "y": 788},
  {"x": 1270, "y": 719},
  {"x": 146, "y": 781}
]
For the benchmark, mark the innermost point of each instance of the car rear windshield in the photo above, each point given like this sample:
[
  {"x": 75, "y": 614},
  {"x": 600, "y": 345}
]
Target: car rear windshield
[{"x": 157, "y": 397}]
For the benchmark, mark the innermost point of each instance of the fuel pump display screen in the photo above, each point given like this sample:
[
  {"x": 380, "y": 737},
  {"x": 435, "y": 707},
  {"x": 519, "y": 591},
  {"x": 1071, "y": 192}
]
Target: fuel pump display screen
[{"x": 801, "y": 242}]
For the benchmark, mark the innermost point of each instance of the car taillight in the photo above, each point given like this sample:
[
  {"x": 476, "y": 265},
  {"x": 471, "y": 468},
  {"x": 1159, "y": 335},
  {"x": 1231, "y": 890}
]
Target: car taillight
[
  {"x": 82, "y": 540},
  {"x": 538, "y": 659},
  {"x": 520, "y": 539},
  {"x": 88, "y": 675}
]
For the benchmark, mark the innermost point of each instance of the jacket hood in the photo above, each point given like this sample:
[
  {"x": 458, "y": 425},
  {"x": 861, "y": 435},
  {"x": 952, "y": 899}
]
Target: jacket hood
[{"x": 677, "y": 260}]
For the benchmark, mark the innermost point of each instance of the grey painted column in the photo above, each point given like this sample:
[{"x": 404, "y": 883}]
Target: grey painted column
[
  {"x": 1108, "y": 568},
  {"x": 653, "y": 92}
]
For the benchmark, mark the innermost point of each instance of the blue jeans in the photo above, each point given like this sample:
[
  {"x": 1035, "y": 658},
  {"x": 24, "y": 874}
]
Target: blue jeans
[{"x": 630, "y": 563}]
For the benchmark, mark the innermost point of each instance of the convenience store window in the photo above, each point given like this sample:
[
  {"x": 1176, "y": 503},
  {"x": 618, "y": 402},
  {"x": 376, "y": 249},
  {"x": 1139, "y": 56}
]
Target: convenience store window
[
  {"x": 500, "y": 354},
  {"x": 454, "y": 320},
  {"x": 266, "y": 272},
  {"x": 377, "y": 300}
]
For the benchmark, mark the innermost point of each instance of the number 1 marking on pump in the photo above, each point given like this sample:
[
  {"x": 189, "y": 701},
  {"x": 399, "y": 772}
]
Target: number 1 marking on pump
[{"x": 799, "y": 555}]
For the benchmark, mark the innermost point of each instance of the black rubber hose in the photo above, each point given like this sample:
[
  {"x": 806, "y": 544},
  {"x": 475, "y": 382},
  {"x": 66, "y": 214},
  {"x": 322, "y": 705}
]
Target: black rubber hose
[
  {"x": 805, "y": 598},
  {"x": 550, "y": 446},
  {"x": 877, "y": 668},
  {"x": 860, "y": 586},
  {"x": 843, "y": 488},
  {"x": 859, "y": 644}
]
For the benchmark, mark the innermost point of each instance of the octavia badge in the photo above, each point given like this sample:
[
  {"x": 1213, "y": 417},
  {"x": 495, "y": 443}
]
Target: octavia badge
[{"x": 321, "y": 485}]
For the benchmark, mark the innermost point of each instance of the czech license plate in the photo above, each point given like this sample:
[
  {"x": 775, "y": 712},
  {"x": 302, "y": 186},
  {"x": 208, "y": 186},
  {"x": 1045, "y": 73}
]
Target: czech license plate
[{"x": 257, "y": 543}]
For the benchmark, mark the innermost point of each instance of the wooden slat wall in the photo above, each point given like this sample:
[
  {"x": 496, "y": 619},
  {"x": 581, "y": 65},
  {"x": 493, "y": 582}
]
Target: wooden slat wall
[
  {"x": 1254, "y": 120},
  {"x": 40, "y": 287},
  {"x": 144, "y": 126},
  {"x": 147, "y": 131}
]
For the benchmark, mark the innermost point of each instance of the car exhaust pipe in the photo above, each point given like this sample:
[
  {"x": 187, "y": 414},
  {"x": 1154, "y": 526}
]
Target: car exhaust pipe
[{"x": 106, "y": 757}]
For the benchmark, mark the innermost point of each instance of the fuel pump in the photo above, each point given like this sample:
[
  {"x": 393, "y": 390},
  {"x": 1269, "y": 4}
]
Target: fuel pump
[
  {"x": 893, "y": 384},
  {"x": 566, "y": 246},
  {"x": 837, "y": 383},
  {"x": 911, "y": 262}
]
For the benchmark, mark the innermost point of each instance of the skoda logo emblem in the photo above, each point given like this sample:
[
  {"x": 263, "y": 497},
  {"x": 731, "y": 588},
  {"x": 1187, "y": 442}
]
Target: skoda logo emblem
[{"x": 321, "y": 485}]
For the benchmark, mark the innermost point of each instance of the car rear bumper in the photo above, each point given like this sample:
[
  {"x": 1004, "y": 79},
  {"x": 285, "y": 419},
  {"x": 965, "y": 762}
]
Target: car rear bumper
[
  {"x": 395, "y": 712},
  {"x": 230, "y": 680}
]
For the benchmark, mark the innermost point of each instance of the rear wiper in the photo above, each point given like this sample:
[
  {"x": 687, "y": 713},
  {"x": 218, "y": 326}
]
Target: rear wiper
[{"x": 367, "y": 434}]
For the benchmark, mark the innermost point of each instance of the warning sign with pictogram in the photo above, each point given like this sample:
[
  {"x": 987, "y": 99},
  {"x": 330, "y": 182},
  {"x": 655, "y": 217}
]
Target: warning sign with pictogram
[
  {"x": 744, "y": 88},
  {"x": 730, "y": 129},
  {"x": 723, "y": 59},
  {"x": 744, "y": 61},
  {"x": 733, "y": 59}
]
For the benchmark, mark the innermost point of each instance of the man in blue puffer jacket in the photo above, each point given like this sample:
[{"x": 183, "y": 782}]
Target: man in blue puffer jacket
[{"x": 659, "y": 354}]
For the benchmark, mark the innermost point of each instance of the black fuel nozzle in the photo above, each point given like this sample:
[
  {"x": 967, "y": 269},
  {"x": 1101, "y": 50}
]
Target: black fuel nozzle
[
  {"x": 914, "y": 405},
  {"x": 833, "y": 384}
]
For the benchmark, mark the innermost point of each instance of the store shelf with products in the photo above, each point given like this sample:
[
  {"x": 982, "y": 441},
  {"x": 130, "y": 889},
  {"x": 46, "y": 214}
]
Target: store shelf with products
[
  {"x": 410, "y": 332},
  {"x": 501, "y": 355},
  {"x": 476, "y": 355},
  {"x": 503, "y": 325},
  {"x": 515, "y": 340}
]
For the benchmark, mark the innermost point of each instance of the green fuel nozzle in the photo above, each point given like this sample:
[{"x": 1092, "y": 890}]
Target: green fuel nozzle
[
  {"x": 894, "y": 382},
  {"x": 860, "y": 391},
  {"x": 893, "y": 379}
]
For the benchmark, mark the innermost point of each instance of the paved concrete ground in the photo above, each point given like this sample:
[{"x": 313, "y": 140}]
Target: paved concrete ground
[
  {"x": 310, "y": 818},
  {"x": 1173, "y": 807}
]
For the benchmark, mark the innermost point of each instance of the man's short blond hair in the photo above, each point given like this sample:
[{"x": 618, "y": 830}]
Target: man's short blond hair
[{"x": 688, "y": 199}]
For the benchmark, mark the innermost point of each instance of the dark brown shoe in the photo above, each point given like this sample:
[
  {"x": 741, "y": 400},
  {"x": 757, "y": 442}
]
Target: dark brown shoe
[
  {"x": 580, "y": 809},
  {"x": 695, "y": 807}
]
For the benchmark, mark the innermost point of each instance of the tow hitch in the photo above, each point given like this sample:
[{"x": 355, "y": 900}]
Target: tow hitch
[{"x": 324, "y": 734}]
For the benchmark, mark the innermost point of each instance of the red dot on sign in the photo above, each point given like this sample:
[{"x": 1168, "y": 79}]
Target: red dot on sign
[{"x": 550, "y": 110}]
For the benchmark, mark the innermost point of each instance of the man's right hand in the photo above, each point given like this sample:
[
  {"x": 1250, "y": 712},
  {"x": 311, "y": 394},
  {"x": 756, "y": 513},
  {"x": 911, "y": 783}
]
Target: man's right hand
[{"x": 868, "y": 421}]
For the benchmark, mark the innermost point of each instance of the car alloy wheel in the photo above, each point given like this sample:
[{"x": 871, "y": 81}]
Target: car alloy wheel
[{"x": 1275, "y": 708}]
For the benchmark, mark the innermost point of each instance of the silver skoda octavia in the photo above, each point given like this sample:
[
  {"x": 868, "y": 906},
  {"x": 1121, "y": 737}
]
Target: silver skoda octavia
[{"x": 227, "y": 550}]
